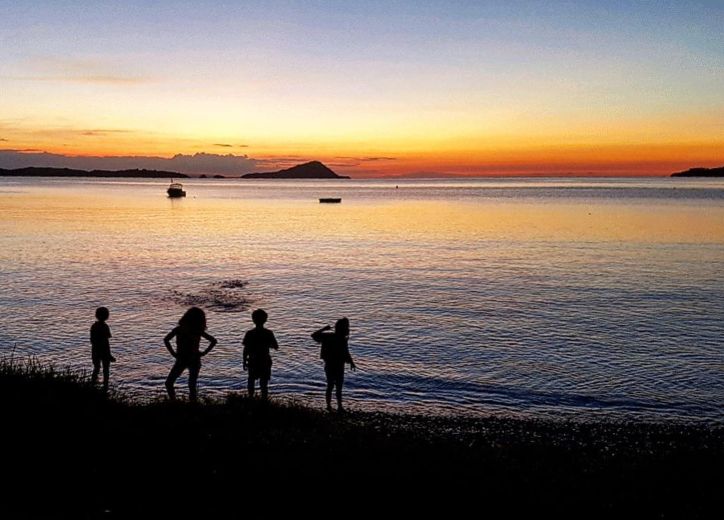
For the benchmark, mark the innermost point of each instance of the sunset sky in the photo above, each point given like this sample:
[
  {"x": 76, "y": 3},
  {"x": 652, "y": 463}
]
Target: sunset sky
[{"x": 370, "y": 88}]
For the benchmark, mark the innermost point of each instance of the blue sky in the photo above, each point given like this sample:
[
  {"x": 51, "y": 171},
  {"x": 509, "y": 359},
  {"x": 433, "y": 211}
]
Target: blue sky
[{"x": 281, "y": 75}]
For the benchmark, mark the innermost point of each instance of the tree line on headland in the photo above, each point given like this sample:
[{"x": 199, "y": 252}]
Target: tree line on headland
[
  {"x": 69, "y": 172},
  {"x": 309, "y": 170},
  {"x": 701, "y": 172}
]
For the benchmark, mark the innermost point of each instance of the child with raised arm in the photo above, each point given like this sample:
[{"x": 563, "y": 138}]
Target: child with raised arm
[
  {"x": 191, "y": 328},
  {"x": 100, "y": 333},
  {"x": 335, "y": 353},
  {"x": 257, "y": 359}
]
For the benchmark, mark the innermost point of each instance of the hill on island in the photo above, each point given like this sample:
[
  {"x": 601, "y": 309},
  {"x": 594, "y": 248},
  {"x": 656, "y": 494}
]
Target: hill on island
[
  {"x": 68, "y": 172},
  {"x": 310, "y": 170},
  {"x": 701, "y": 172}
]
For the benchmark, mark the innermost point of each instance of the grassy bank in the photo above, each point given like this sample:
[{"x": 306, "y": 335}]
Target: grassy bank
[{"x": 71, "y": 450}]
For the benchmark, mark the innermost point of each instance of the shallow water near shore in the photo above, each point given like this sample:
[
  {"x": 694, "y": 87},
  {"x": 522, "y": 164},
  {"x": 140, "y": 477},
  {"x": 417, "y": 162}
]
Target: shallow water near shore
[{"x": 532, "y": 297}]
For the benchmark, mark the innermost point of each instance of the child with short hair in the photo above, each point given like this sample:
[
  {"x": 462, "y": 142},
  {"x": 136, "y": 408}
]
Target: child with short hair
[
  {"x": 100, "y": 333},
  {"x": 257, "y": 359}
]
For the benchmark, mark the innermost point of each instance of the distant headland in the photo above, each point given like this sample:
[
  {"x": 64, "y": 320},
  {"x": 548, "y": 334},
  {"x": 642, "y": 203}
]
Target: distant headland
[
  {"x": 310, "y": 170},
  {"x": 701, "y": 172},
  {"x": 68, "y": 172}
]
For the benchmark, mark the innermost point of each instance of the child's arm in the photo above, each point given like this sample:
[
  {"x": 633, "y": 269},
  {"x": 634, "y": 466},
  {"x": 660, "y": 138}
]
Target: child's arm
[
  {"x": 212, "y": 343},
  {"x": 167, "y": 341},
  {"x": 317, "y": 336},
  {"x": 245, "y": 353},
  {"x": 349, "y": 359},
  {"x": 274, "y": 343},
  {"x": 108, "y": 330}
]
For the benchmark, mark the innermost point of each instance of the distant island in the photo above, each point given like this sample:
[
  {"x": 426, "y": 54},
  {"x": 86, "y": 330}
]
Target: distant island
[
  {"x": 68, "y": 172},
  {"x": 701, "y": 172},
  {"x": 310, "y": 170}
]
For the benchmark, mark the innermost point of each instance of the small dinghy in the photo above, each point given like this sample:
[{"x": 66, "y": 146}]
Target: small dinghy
[
  {"x": 330, "y": 200},
  {"x": 176, "y": 189}
]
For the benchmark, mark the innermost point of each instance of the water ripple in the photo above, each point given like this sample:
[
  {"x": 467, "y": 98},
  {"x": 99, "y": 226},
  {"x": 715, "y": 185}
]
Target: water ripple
[{"x": 456, "y": 304}]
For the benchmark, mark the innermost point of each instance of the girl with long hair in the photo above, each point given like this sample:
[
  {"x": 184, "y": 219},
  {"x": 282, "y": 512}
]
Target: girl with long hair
[
  {"x": 335, "y": 354},
  {"x": 191, "y": 328}
]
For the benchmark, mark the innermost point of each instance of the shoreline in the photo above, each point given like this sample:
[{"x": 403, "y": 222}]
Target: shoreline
[
  {"x": 91, "y": 452},
  {"x": 441, "y": 412}
]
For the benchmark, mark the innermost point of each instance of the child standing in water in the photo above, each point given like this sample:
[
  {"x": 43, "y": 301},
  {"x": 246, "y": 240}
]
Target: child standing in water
[
  {"x": 257, "y": 359},
  {"x": 191, "y": 328},
  {"x": 100, "y": 333},
  {"x": 335, "y": 353}
]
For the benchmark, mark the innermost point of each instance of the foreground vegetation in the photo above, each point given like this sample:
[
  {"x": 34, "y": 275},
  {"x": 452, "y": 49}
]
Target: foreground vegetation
[{"x": 70, "y": 450}]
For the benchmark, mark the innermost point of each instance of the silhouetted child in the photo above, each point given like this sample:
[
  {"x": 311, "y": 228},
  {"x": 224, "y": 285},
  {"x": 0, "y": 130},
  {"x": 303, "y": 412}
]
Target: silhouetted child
[
  {"x": 100, "y": 333},
  {"x": 191, "y": 328},
  {"x": 335, "y": 353},
  {"x": 257, "y": 359}
]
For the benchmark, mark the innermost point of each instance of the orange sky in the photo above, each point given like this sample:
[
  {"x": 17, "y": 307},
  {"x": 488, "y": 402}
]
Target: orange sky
[{"x": 370, "y": 89}]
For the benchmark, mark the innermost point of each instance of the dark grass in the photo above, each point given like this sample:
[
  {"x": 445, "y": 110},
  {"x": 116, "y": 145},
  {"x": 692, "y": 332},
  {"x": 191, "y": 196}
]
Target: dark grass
[{"x": 71, "y": 450}]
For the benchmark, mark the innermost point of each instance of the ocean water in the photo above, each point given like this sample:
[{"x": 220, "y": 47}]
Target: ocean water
[{"x": 532, "y": 297}]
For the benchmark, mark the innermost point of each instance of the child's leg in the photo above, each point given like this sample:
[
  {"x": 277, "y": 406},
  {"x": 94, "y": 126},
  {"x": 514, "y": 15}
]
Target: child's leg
[
  {"x": 96, "y": 369},
  {"x": 330, "y": 384},
  {"x": 250, "y": 384},
  {"x": 264, "y": 384},
  {"x": 194, "y": 370},
  {"x": 172, "y": 377},
  {"x": 328, "y": 393},
  {"x": 106, "y": 371},
  {"x": 338, "y": 383}
]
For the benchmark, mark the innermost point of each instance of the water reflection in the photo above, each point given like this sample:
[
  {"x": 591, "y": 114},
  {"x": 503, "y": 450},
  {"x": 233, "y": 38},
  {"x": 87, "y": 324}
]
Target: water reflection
[{"x": 467, "y": 296}]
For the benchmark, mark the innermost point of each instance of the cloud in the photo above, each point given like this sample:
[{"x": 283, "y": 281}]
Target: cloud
[
  {"x": 198, "y": 163},
  {"x": 102, "y": 132},
  {"x": 223, "y": 145},
  {"x": 213, "y": 163},
  {"x": 87, "y": 79},
  {"x": 81, "y": 70},
  {"x": 3, "y": 140},
  {"x": 339, "y": 164},
  {"x": 368, "y": 159},
  {"x": 281, "y": 162},
  {"x": 62, "y": 133},
  {"x": 344, "y": 161}
]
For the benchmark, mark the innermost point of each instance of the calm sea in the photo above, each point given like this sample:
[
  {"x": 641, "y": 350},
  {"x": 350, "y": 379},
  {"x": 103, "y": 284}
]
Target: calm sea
[{"x": 533, "y": 297}]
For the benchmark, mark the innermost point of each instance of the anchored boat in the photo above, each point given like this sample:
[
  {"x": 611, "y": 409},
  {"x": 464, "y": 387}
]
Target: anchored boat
[
  {"x": 176, "y": 189},
  {"x": 329, "y": 200}
]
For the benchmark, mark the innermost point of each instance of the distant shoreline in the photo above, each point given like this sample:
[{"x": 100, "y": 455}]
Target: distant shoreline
[
  {"x": 701, "y": 172},
  {"x": 707, "y": 173},
  {"x": 69, "y": 172},
  {"x": 204, "y": 177}
]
